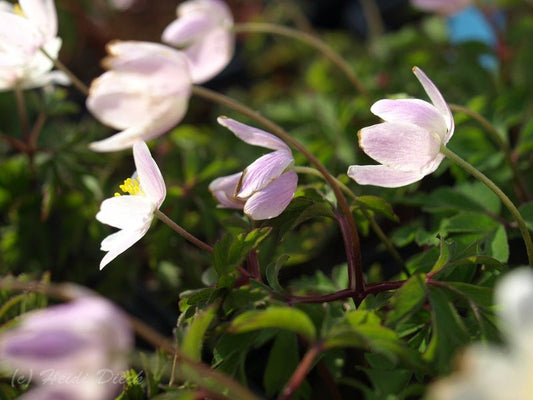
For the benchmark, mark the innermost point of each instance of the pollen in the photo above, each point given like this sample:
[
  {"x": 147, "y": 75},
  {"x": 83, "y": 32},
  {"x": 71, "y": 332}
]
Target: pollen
[
  {"x": 18, "y": 10},
  {"x": 131, "y": 186}
]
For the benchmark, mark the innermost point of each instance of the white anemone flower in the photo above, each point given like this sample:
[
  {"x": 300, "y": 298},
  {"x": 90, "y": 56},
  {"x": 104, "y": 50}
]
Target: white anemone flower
[
  {"x": 266, "y": 187},
  {"x": 144, "y": 93},
  {"x": 24, "y": 30},
  {"x": 203, "y": 31},
  {"x": 488, "y": 372},
  {"x": 407, "y": 144},
  {"x": 442, "y": 7},
  {"x": 132, "y": 213}
]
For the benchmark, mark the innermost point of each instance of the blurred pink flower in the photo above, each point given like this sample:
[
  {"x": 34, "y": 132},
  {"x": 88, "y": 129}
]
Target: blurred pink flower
[
  {"x": 265, "y": 188},
  {"x": 67, "y": 349},
  {"x": 203, "y": 31},
  {"x": 132, "y": 214},
  {"x": 24, "y": 30},
  {"x": 443, "y": 7},
  {"x": 145, "y": 92},
  {"x": 407, "y": 143}
]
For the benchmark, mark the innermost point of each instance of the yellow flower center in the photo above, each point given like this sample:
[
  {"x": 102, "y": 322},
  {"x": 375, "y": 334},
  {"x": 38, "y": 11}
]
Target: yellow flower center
[
  {"x": 18, "y": 10},
  {"x": 131, "y": 186}
]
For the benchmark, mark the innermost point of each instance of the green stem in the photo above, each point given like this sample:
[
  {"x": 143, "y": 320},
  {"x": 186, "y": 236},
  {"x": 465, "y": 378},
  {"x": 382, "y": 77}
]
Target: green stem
[
  {"x": 505, "y": 200},
  {"x": 497, "y": 139},
  {"x": 73, "y": 78},
  {"x": 312, "y": 41},
  {"x": 174, "y": 226},
  {"x": 373, "y": 224},
  {"x": 355, "y": 272}
]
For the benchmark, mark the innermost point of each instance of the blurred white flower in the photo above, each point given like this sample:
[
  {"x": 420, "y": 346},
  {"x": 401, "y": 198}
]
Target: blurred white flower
[
  {"x": 407, "y": 144},
  {"x": 67, "y": 349},
  {"x": 203, "y": 31},
  {"x": 499, "y": 373},
  {"x": 443, "y": 7},
  {"x": 145, "y": 92},
  {"x": 132, "y": 214},
  {"x": 24, "y": 29},
  {"x": 266, "y": 187}
]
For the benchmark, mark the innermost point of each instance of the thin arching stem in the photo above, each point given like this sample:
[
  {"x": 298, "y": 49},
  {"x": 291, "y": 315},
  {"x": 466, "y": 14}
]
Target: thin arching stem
[
  {"x": 177, "y": 228},
  {"x": 503, "y": 197},
  {"x": 355, "y": 273},
  {"x": 73, "y": 78},
  {"x": 502, "y": 144},
  {"x": 311, "y": 40}
]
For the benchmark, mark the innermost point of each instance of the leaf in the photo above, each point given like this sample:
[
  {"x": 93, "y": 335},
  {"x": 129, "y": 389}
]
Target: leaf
[
  {"x": 291, "y": 319},
  {"x": 281, "y": 363},
  {"x": 527, "y": 213},
  {"x": 378, "y": 205},
  {"x": 272, "y": 272},
  {"x": 191, "y": 344},
  {"x": 408, "y": 299}
]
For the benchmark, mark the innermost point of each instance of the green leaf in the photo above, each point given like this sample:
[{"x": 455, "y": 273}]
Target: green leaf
[
  {"x": 291, "y": 319},
  {"x": 498, "y": 245},
  {"x": 191, "y": 344},
  {"x": 282, "y": 361},
  {"x": 378, "y": 205},
  {"x": 408, "y": 299},
  {"x": 527, "y": 213},
  {"x": 470, "y": 222},
  {"x": 272, "y": 272}
]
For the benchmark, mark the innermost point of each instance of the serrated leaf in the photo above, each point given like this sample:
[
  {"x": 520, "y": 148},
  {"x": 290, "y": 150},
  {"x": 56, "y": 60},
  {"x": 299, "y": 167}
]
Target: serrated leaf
[
  {"x": 291, "y": 319},
  {"x": 407, "y": 299}
]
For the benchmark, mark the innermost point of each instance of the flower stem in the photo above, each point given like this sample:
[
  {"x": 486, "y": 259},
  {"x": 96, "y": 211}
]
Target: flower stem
[
  {"x": 311, "y": 40},
  {"x": 23, "y": 116},
  {"x": 505, "y": 200},
  {"x": 355, "y": 272},
  {"x": 502, "y": 144},
  {"x": 193, "y": 239},
  {"x": 73, "y": 78},
  {"x": 373, "y": 224}
]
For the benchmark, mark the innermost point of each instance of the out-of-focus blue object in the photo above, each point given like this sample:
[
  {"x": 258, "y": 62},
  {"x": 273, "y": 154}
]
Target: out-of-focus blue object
[{"x": 470, "y": 24}]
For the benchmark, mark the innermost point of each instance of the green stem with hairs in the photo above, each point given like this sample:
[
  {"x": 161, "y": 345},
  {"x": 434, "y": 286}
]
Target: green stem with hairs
[
  {"x": 373, "y": 224},
  {"x": 497, "y": 139},
  {"x": 503, "y": 197},
  {"x": 311, "y": 40},
  {"x": 355, "y": 272},
  {"x": 177, "y": 228}
]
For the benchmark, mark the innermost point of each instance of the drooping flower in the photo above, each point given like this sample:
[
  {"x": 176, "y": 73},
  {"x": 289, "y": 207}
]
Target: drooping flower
[
  {"x": 407, "y": 143},
  {"x": 70, "y": 350},
  {"x": 266, "y": 187},
  {"x": 203, "y": 31},
  {"x": 443, "y": 7},
  {"x": 24, "y": 30},
  {"x": 498, "y": 373},
  {"x": 132, "y": 213},
  {"x": 144, "y": 93}
]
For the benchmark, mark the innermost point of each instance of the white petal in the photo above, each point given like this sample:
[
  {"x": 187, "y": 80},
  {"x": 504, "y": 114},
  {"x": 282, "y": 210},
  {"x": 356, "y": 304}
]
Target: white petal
[
  {"x": 126, "y": 212},
  {"x": 413, "y": 111},
  {"x": 253, "y": 136},
  {"x": 150, "y": 176},
  {"x": 380, "y": 175},
  {"x": 273, "y": 199},
  {"x": 262, "y": 171},
  {"x": 43, "y": 14},
  {"x": 118, "y": 242},
  {"x": 401, "y": 146},
  {"x": 182, "y": 31}
]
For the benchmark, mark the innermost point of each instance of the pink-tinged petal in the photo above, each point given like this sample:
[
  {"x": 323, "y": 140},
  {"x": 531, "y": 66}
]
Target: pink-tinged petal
[
  {"x": 118, "y": 242},
  {"x": 273, "y": 199},
  {"x": 262, "y": 171},
  {"x": 413, "y": 111},
  {"x": 380, "y": 175},
  {"x": 208, "y": 57},
  {"x": 223, "y": 189},
  {"x": 437, "y": 99},
  {"x": 18, "y": 35},
  {"x": 182, "y": 31},
  {"x": 150, "y": 176},
  {"x": 443, "y": 7},
  {"x": 253, "y": 136},
  {"x": 402, "y": 146},
  {"x": 126, "y": 212},
  {"x": 43, "y": 14}
]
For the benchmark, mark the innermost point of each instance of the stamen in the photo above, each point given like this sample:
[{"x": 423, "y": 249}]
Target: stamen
[
  {"x": 131, "y": 186},
  {"x": 17, "y": 9}
]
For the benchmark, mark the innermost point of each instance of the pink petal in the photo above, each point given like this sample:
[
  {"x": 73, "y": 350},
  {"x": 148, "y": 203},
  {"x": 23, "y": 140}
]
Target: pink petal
[
  {"x": 126, "y": 212},
  {"x": 380, "y": 175},
  {"x": 118, "y": 242},
  {"x": 402, "y": 146},
  {"x": 262, "y": 171},
  {"x": 223, "y": 189},
  {"x": 253, "y": 136},
  {"x": 273, "y": 199},
  {"x": 149, "y": 174},
  {"x": 182, "y": 31},
  {"x": 413, "y": 111},
  {"x": 437, "y": 100},
  {"x": 18, "y": 35}
]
